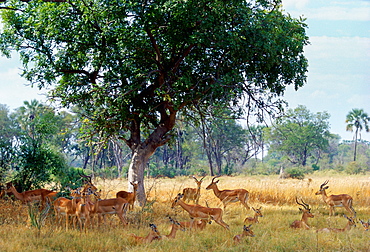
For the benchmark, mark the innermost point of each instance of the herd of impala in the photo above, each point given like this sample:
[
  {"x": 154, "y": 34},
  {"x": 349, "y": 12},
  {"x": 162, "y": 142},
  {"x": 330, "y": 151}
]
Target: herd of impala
[{"x": 85, "y": 204}]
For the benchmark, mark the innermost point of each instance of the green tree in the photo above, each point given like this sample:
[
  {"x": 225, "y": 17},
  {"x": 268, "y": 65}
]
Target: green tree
[
  {"x": 299, "y": 135},
  {"x": 357, "y": 120},
  {"x": 131, "y": 66}
]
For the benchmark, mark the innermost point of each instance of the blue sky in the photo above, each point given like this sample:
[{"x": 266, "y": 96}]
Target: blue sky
[{"x": 339, "y": 63}]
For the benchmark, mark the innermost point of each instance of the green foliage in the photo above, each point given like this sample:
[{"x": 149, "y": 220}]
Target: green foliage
[
  {"x": 354, "y": 168},
  {"x": 299, "y": 135},
  {"x": 295, "y": 172},
  {"x": 38, "y": 215}
]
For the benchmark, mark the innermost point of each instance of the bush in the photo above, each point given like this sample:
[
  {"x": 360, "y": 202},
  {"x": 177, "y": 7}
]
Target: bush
[
  {"x": 295, "y": 172},
  {"x": 354, "y": 168}
]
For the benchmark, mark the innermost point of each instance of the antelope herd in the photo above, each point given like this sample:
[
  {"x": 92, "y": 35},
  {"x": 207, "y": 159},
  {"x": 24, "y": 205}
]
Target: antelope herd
[{"x": 85, "y": 204}]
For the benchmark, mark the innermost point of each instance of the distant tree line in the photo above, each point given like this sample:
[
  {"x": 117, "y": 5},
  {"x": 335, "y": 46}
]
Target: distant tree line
[{"x": 39, "y": 145}]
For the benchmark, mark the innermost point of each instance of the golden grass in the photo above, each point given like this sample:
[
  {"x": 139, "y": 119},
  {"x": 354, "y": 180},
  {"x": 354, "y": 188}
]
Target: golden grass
[{"x": 277, "y": 198}]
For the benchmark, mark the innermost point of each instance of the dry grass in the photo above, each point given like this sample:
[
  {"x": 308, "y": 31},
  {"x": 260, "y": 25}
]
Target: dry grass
[{"x": 277, "y": 198}]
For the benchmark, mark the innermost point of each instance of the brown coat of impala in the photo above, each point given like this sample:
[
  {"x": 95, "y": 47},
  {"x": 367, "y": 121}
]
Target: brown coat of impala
[
  {"x": 201, "y": 212},
  {"x": 153, "y": 235},
  {"x": 41, "y": 195},
  {"x": 340, "y": 200},
  {"x": 129, "y": 196},
  {"x": 246, "y": 232},
  {"x": 350, "y": 222},
  {"x": 229, "y": 196},
  {"x": 254, "y": 219},
  {"x": 303, "y": 223},
  {"x": 193, "y": 193}
]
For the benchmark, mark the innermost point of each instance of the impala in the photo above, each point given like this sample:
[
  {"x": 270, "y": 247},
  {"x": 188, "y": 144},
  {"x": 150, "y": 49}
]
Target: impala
[
  {"x": 193, "y": 193},
  {"x": 195, "y": 224},
  {"x": 341, "y": 200},
  {"x": 246, "y": 232},
  {"x": 228, "y": 196},
  {"x": 31, "y": 196},
  {"x": 174, "y": 227},
  {"x": 67, "y": 207},
  {"x": 350, "y": 223},
  {"x": 200, "y": 212},
  {"x": 153, "y": 235},
  {"x": 257, "y": 213},
  {"x": 303, "y": 223},
  {"x": 129, "y": 196},
  {"x": 365, "y": 225},
  {"x": 84, "y": 209},
  {"x": 111, "y": 206}
]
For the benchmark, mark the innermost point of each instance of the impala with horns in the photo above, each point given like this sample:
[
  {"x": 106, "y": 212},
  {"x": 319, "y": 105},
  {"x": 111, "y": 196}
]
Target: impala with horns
[
  {"x": 257, "y": 213},
  {"x": 365, "y": 225},
  {"x": 229, "y": 196},
  {"x": 246, "y": 232},
  {"x": 350, "y": 222},
  {"x": 153, "y": 235},
  {"x": 174, "y": 227},
  {"x": 129, "y": 196},
  {"x": 341, "y": 200},
  {"x": 200, "y": 212},
  {"x": 303, "y": 223},
  {"x": 193, "y": 193}
]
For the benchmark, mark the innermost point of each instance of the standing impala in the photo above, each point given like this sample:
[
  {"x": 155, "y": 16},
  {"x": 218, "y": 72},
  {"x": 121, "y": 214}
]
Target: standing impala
[
  {"x": 193, "y": 193},
  {"x": 41, "y": 195},
  {"x": 341, "y": 200},
  {"x": 303, "y": 223},
  {"x": 200, "y": 212},
  {"x": 227, "y": 196},
  {"x": 129, "y": 196}
]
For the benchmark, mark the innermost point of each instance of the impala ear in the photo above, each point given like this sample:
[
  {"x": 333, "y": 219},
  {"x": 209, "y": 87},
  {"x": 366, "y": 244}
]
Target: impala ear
[
  {"x": 217, "y": 181},
  {"x": 326, "y": 187}
]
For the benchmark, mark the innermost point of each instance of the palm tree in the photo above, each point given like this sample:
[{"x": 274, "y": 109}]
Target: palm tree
[{"x": 358, "y": 119}]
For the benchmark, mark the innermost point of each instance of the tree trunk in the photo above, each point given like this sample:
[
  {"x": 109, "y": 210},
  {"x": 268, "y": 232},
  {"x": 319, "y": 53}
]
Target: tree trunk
[
  {"x": 354, "y": 155},
  {"x": 139, "y": 160}
]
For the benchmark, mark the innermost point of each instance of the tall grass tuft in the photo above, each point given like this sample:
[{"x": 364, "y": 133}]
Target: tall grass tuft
[{"x": 38, "y": 216}]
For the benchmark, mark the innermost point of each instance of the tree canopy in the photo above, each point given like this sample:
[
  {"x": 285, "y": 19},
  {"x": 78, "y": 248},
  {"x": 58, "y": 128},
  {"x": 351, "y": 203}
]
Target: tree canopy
[
  {"x": 131, "y": 66},
  {"x": 299, "y": 135}
]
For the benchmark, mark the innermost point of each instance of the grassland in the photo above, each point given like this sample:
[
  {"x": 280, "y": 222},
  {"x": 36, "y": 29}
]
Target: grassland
[{"x": 277, "y": 198}]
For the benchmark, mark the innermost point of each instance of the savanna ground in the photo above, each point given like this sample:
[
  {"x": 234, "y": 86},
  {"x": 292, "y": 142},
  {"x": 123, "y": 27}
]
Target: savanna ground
[{"x": 277, "y": 198}]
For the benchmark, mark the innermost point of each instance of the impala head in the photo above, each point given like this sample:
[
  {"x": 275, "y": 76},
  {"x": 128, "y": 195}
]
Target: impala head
[
  {"x": 199, "y": 182},
  {"x": 258, "y": 211},
  {"x": 323, "y": 187},
  {"x": 247, "y": 231},
  {"x": 155, "y": 230},
  {"x": 176, "y": 200},
  {"x": 351, "y": 220},
  {"x": 306, "y": 208},
  {"x": 135, "y": 185},
  {"x": 177, "y": 224},
  {"x": 365, "y": 225},
  {"x": 213, "y": 183}
]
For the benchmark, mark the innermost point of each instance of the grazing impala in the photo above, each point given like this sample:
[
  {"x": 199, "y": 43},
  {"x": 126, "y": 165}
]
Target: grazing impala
[
  {"x": 227, "y": 196},
  {"x": 246, "y": 232},
  {"x": 41, "y": 195},
  {"x": 193, "y": 193},
  {"x": 257, "y": 213},
  {"x": 365, "y": 225},
  {"x": 200, "y": 212},
  {"x": 350, "y": 223},
  {"x": 153, "y": 235},
  {"x": 341, "y": 200},
  {"x": 174, "y": 227},
  {"x": 129, "y": 196},
  {"x": 303, "y": 223}
]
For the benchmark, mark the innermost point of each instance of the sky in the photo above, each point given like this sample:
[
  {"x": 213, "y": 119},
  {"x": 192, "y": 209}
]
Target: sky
[{"x": 338, "y": 55}]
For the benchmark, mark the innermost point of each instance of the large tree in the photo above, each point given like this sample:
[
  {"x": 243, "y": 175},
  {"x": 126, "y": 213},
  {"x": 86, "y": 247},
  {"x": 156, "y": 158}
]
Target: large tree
[
  {"x": 299, "y": 135},
  {"x": 131, "y": 66},
  {"x": 357, "y": 119}
]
